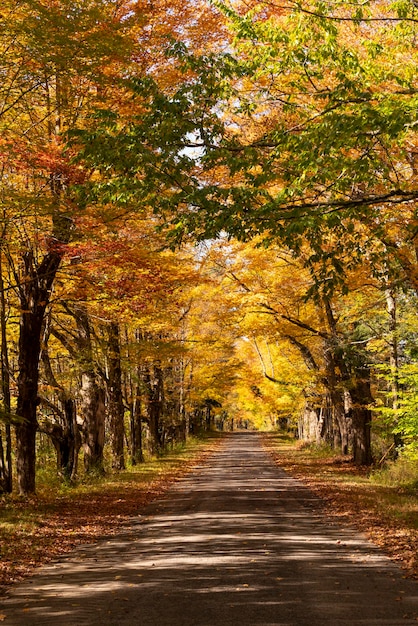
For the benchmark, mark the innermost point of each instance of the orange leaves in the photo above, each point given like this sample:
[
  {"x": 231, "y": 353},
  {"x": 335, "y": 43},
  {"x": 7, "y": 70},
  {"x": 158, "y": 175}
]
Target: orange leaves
[
  {"x": 54, "y": 159},
  {"x": 347, "y": 493},
  {"x": 125, "y": 271},
  {"x": 59, "y": 524},
  {"x": 20, "y": 155}
]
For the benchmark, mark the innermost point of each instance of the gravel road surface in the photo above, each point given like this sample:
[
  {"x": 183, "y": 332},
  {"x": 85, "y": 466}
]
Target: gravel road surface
[{"x": 238, "y": 542}]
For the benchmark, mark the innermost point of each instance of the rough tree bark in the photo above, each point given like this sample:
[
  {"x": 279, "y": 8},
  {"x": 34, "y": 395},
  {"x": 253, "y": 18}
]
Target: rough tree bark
[
  {"x": 93, "y": 425},
  {"x": 64, "y": 433},
  {"x": 137, "y": 455},
  {"x": 92, "y": 395},
  {"x": 361, "y": 416},
  {"x": 155, "y": 399},
  {"x": 356, "y": 393},
  {"x": 394, "y": 359},
  {"x": 116, "y": 410},
  {"x": 336, "y": 397},
  {"x": 34, "y": 294},
  {"x": 65, "y": 438},
  {"x": 6, "y": 477}
]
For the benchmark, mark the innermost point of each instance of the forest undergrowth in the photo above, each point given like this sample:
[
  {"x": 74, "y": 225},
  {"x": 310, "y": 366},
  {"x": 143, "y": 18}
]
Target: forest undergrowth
[
  {"x": 35, "y": 530},
  {"x": 383, "y": 504}
]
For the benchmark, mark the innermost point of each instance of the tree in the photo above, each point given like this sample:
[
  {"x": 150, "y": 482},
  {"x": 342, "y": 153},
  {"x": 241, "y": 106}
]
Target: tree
[
  {"x": 61, "y": 426},
  {"x": 304, "y": 135},
  {"x": 326, "y": 340},
  {"x": 55, "y": 59},
  {"x": 116, "y": 408}
]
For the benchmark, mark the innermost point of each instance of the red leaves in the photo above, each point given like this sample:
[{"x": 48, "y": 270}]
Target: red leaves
[
  {"x": 127, "y": 271},
  {"x": 20, "y": 155}
]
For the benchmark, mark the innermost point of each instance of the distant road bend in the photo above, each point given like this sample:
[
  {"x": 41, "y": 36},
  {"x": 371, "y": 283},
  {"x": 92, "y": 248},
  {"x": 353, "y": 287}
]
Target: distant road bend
[{"x": 236, "y": 543}]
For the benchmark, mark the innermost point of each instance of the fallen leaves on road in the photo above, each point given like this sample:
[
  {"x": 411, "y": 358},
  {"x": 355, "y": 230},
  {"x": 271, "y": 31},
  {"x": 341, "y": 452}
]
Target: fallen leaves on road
[
  {"x": 54, "y": 528},
  {"x": 347, "y": 494}
]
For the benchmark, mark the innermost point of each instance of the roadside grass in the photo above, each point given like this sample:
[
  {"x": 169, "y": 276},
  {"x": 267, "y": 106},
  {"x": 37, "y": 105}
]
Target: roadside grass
[
  {"x": 381, "y": 503},
  {"x": 60, "y": 516}
]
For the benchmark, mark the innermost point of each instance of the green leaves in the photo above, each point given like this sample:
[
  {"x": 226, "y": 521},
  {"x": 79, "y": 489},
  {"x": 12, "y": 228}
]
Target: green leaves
[
  {"x": 298, "y": 133},
  {"x": 402, "y": 420}
]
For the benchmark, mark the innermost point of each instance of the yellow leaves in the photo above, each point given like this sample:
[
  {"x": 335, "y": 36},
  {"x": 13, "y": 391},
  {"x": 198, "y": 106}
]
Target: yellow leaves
[
  {"x": 125, "y": 271},
  {"x": 251, "y": 293}
]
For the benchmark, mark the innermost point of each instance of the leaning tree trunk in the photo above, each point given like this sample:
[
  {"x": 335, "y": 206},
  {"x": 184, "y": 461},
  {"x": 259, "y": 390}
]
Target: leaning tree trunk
[
  {"x": 34, "y": 294},
  {"x": 64, "y": 436},
  {"x": 29, "y": 350},
  {"x": 64, "y": 433}
]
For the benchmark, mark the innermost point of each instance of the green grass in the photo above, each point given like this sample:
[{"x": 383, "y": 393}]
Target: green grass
[
  {"x": 401, "y": 474},
  {"x": 50, "y": 485}
]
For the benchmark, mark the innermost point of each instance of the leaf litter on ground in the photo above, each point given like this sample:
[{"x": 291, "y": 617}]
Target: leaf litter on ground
[
  {"x": 36, "y": 530},
  {"x": 388, "y": 516}
]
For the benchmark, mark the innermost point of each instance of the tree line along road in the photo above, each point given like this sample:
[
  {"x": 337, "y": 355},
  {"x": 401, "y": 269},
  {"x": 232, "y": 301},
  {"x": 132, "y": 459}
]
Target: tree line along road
[{"x": 236, "y": 543}]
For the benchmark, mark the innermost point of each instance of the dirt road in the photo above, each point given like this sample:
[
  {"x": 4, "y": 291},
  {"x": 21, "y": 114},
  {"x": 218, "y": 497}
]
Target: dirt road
[{"x": 238, "y": 542}]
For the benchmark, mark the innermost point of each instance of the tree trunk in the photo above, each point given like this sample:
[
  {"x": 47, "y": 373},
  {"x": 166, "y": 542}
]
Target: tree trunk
[
  {"x": 154, "y": 386},
  {"x": 361, "y": 416},
  {"x": 310, "y": 424},
  {"x": 27, "y": 382},
  {"x": 6, "y": 455},
  {"x": 336, "y": 373},
  {"x": 92, "y": 396},
  {"x": 3, "y": 468},
  {"x": 93, "y": 425},
  {"x": 34, "y": 294},
  {"x": 183, "y": 415},
  {"x": 394, "y": 360},
  {"x": 336, "y": 399},
  {"x": 64, "y": 432},
  {"x": 116, "y": 409},
  {"x": 71, "y": 440},
  {"x": 137, "y": 455},
  {"x": 65, "y": 437}
]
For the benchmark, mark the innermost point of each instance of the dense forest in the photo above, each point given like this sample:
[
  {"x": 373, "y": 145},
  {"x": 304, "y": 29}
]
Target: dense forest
[{"x": 208, "y": 220}]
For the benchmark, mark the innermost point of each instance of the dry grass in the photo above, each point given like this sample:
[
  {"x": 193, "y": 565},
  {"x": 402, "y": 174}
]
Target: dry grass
[{"x": 386, "y": 513}]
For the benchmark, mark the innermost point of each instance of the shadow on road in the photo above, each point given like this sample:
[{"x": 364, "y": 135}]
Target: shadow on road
[{"x": 238, "y": 542}]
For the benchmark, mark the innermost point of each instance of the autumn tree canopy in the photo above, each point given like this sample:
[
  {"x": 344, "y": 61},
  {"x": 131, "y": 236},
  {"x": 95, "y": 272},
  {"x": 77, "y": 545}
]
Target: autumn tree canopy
[{"x": 208, "y": 218}]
